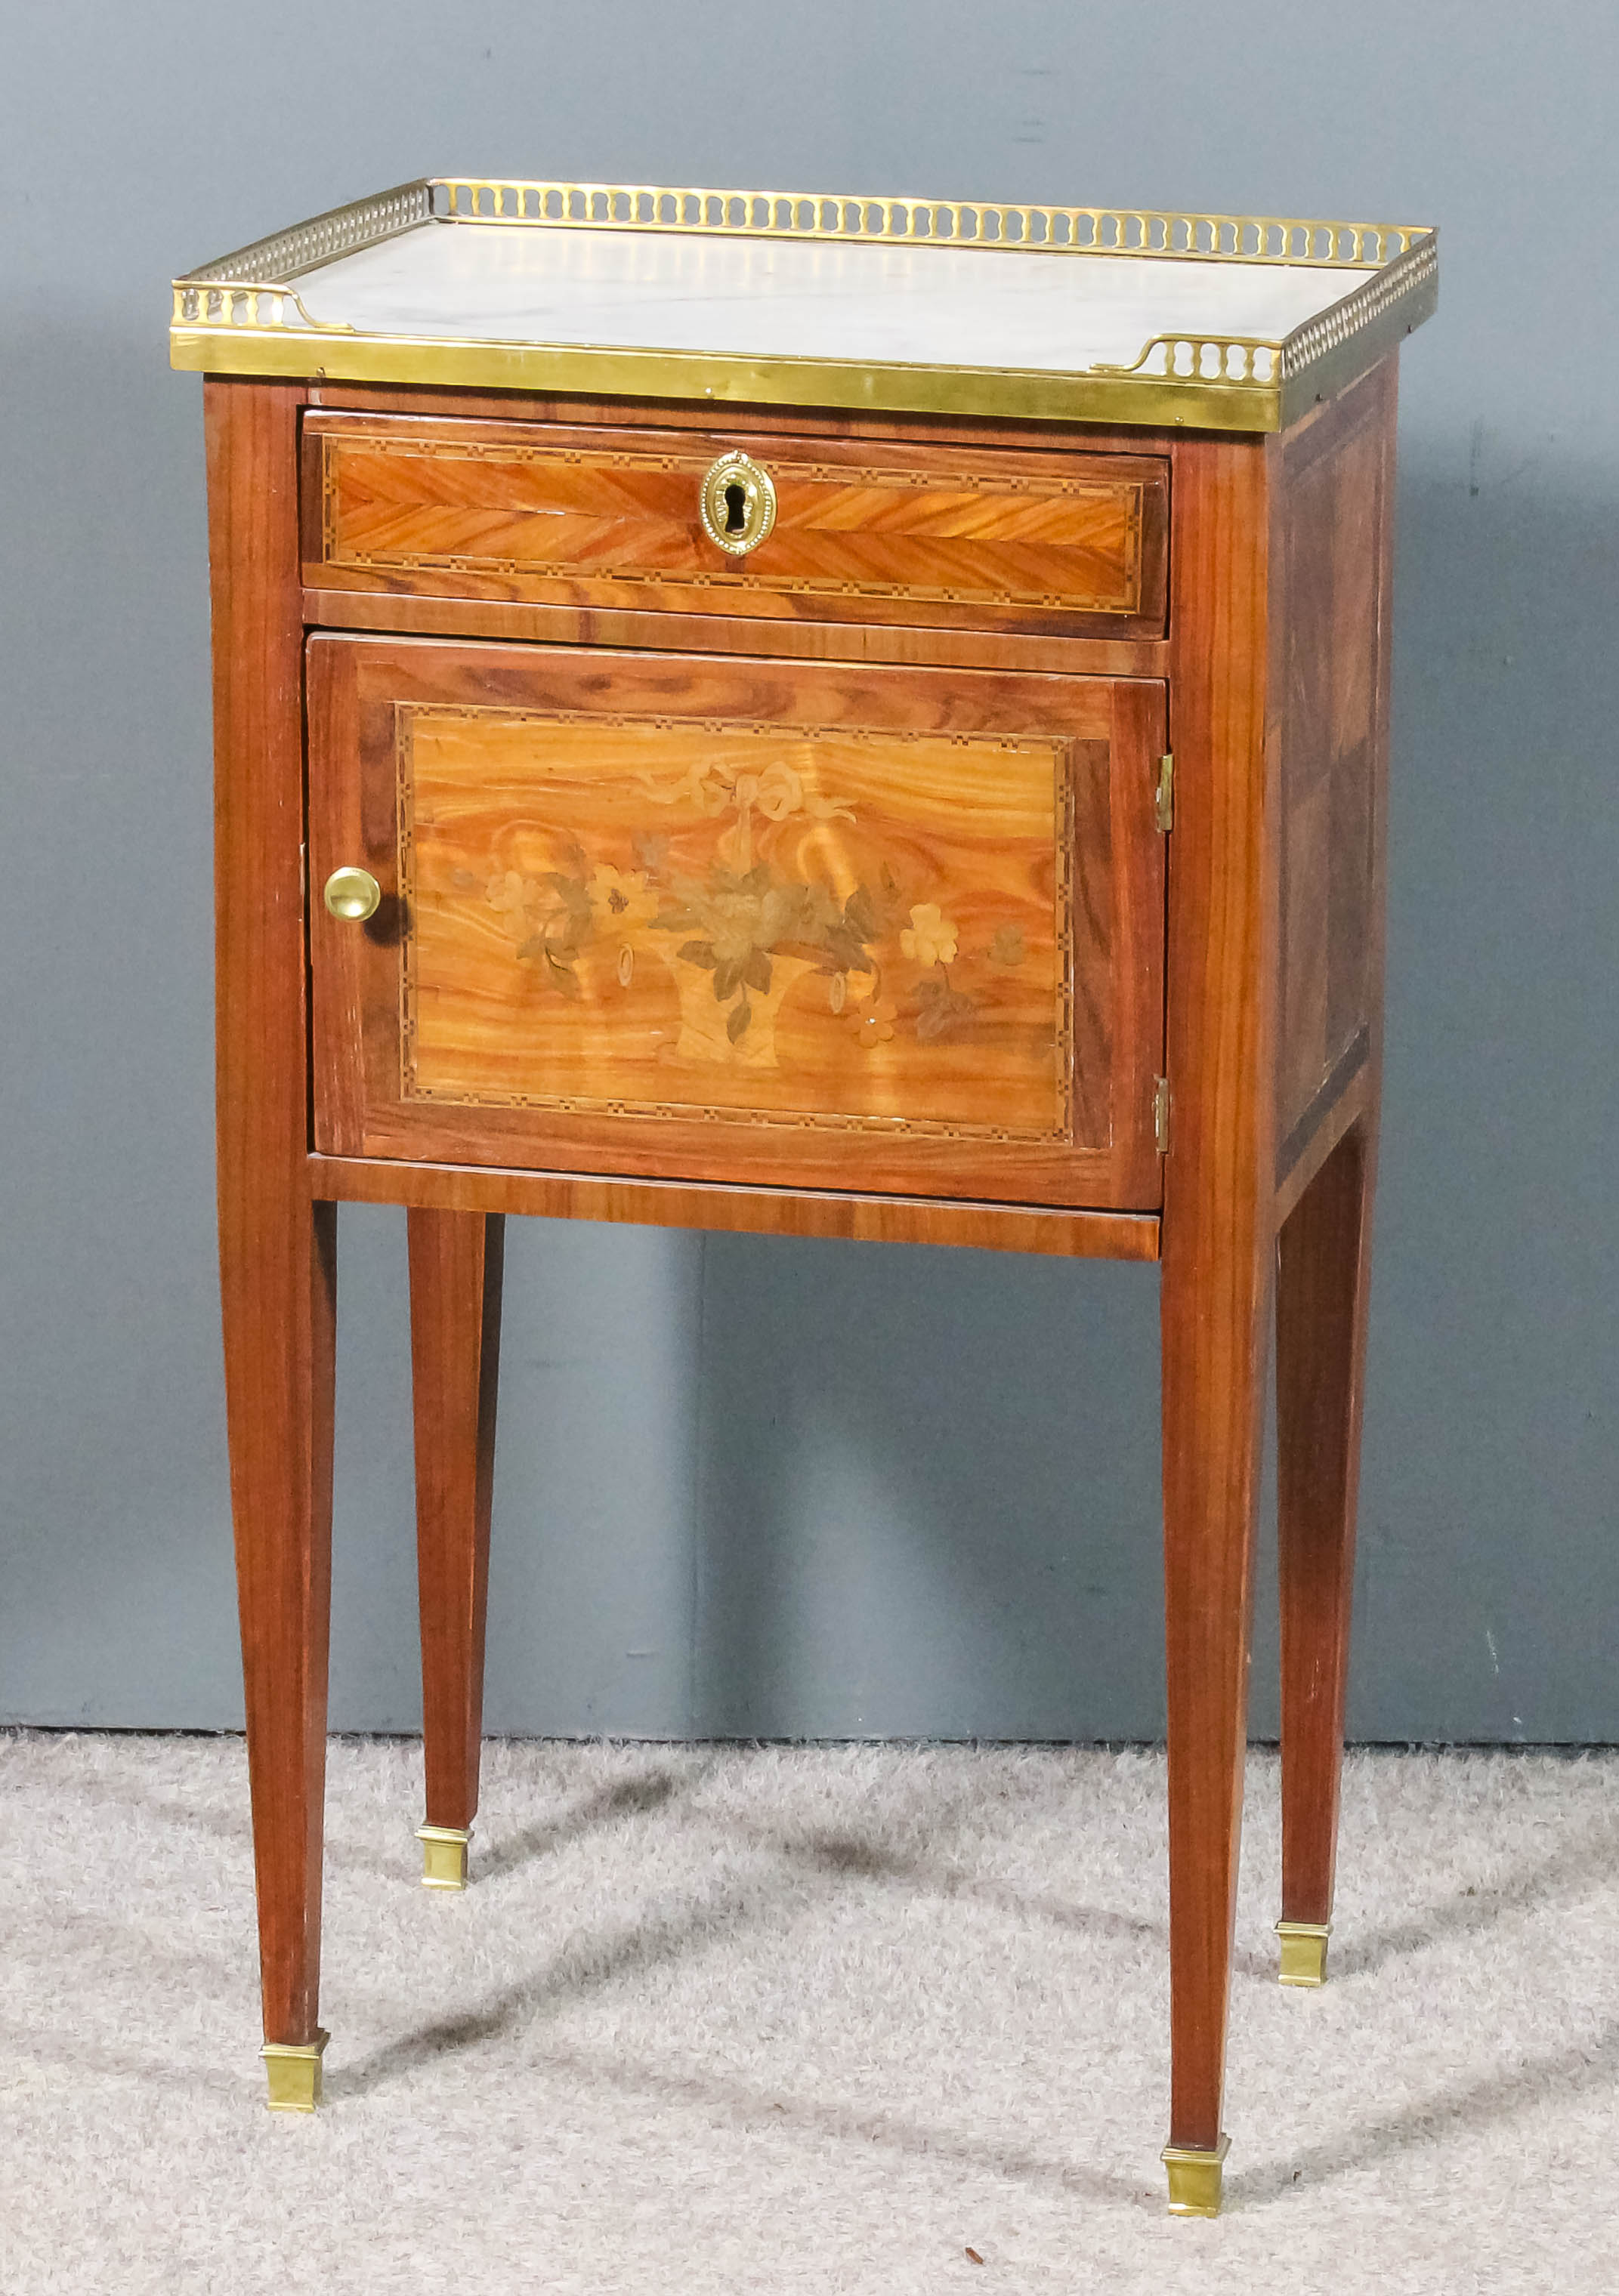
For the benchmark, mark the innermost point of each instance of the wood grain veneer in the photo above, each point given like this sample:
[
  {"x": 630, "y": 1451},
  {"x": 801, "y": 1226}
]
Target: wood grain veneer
[
  {"x": 1217, "y": 1234},
  {"x": 1278, "y": 687},
  {"x": 842, "y": 1214},
  {"x": 608, "y": 516},
  {"x": 707, "y": 918},
  {"x": 1335, "y": 488},
  {"x": 277, "y": 1249},
  {"x": 400, "y": 613},
  {"x": 1338, "y": 529},
  {"x": 457, "y": 1259},
  {"x": 1323, "y": 1275}
]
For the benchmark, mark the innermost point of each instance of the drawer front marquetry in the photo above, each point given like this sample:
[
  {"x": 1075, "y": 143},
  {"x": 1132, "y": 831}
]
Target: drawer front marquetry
[
  {"x": 728, "y": 920},
  {"x": 935, "y": 536}
]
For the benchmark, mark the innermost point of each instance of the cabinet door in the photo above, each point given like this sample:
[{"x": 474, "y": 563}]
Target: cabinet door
[{"x": 804, "y": 926}]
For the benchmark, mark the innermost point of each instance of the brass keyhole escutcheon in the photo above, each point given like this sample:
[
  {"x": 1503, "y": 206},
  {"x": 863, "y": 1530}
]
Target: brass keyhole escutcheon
[
  {"x": 736, "y": 502},
  {"x": 353, "y": 895}
]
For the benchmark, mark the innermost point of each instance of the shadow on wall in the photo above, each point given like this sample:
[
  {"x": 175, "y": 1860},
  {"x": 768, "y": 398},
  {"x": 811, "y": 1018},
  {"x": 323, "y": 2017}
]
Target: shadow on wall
[{"x": 930, "y": 1500}]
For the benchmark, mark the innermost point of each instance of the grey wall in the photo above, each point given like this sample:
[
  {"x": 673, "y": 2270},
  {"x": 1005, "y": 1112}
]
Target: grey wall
[{"x": 760, "y": 1487}]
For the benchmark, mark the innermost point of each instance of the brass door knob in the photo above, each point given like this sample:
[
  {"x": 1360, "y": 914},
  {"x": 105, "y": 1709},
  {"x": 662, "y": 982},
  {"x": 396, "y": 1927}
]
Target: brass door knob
[
  {"x": 353, "y": 895},
  {"x": 736, "y": 502}
]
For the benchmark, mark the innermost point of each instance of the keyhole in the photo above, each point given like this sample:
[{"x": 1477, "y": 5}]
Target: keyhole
[{"x": 736, "y": 503}]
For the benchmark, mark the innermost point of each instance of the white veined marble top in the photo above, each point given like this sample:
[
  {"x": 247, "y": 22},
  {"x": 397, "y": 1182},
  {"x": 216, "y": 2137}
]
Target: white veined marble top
[{"x": 760, "y": 298}]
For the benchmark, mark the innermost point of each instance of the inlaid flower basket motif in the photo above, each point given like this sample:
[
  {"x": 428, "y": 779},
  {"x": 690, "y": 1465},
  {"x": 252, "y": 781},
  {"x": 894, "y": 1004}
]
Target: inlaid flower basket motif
[{"x": 781, "y": 924}]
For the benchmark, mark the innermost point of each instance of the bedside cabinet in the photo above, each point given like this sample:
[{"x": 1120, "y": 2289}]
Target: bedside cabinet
[{"x": 819, "y": 718}]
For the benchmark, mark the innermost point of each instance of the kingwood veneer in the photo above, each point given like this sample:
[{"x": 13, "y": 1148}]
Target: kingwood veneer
[{"x": 768, "y": 822}]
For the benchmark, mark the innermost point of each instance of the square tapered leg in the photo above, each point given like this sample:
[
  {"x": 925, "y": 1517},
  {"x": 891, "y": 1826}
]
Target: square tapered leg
[
  {"x": 1322, "y": 1268},
  {"x": 456, "y": 1267}
]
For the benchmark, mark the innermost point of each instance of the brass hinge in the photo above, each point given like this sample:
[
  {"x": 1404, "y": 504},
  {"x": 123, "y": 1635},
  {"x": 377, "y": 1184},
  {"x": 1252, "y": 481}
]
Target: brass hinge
[
  {"x": 1160, "y": 1115},
  {"x": 1164, "y": 802}
]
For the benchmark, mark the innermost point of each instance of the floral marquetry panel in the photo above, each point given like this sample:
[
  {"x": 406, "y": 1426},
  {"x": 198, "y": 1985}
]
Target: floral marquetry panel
[
  {"x": 758, "y": 919},
  {"x": 800, "y": 923}
]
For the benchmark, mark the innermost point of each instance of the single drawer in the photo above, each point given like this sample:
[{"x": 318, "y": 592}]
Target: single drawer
[
  {"x": 702, "y": 918},
  {"x": 1052, "y": 542}
]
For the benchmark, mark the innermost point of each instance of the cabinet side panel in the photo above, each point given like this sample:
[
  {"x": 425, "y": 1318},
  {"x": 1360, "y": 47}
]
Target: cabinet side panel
[{"x": 1333, "y": 518}]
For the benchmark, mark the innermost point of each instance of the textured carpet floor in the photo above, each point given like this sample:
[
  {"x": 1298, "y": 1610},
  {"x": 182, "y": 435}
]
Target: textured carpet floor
[{"x": 792, "y": 2021}]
